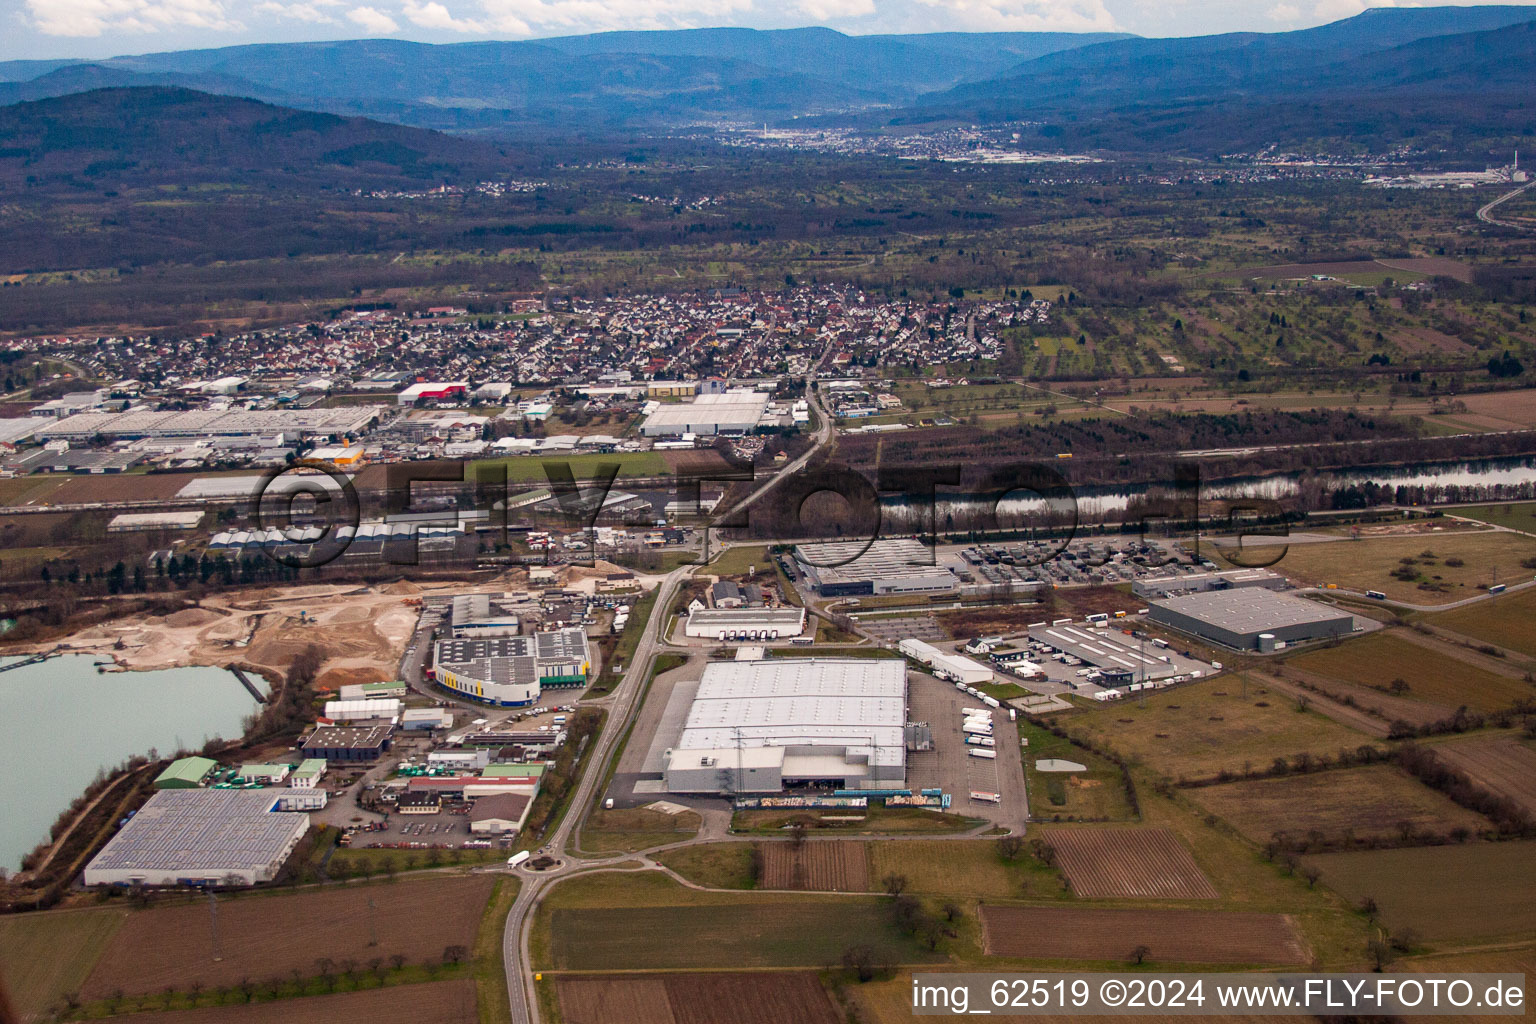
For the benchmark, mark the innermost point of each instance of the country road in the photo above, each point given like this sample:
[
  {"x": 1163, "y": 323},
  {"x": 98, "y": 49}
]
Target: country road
[
  {"x": 1485, "y": 213},
  {"x": 621, "y": 705}
]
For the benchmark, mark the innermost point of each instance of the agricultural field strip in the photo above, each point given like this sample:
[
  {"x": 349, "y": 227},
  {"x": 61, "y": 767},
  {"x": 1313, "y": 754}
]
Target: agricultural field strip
[
  {"x": 1129, "y": 862},
  {"x": 1176, "y": 936}
]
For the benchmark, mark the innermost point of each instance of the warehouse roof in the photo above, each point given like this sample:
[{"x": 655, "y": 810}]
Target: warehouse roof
[
  {"x": 200, "y": 831},
  {"x": 186, "y": 769},
  {"x": 738, "y": 407},
  {"x": 338, "y": 737},
  {"x": 1250, "y": 610},
  {"x": 857, "y": 703}
]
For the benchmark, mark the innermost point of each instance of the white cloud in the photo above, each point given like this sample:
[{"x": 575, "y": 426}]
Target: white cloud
[
  {"x": 435, "y": 16},
  {"x": 1027, "y": 15},
  {"x": 1283, "y": 13},
  {"x": 526, "y": 17},
  {"x": 830, "y": 10},
  {"x": 96, "y": 17},
  {"x": 305, "y": 12},
  {"x": 371, "y": 19}
]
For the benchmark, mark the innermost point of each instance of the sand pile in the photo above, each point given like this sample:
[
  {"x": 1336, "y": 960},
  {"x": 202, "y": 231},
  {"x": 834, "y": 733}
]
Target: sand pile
[{"x": 190, "y": 617}]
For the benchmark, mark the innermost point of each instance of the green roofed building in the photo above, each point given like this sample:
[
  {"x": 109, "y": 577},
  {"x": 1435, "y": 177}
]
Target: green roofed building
[
  {"x": 185, "y": 773},
  {"x": 308, "y": 773}
]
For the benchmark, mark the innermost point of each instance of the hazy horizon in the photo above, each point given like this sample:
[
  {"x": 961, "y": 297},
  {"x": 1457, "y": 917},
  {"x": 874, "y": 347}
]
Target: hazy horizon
[{"x": 98, "y": 29}]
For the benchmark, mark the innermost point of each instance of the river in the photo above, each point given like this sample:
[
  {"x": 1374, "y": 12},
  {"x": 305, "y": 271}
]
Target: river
[
  {"x": 1090, "y": 502},
  {"x": 62, "y": 721}
]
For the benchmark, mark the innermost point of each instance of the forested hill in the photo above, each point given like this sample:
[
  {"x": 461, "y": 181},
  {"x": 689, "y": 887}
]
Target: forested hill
[{"x": 121, "y": 137}]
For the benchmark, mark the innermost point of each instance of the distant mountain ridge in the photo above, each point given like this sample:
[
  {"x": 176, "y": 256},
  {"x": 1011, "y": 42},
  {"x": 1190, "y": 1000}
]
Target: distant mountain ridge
[
  {"x": 618, "y": 76},
  {"x": 1460, "y": 70}
]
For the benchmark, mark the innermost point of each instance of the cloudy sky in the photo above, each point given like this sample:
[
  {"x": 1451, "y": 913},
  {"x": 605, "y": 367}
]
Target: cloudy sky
[{"x": 101, "y": 28}]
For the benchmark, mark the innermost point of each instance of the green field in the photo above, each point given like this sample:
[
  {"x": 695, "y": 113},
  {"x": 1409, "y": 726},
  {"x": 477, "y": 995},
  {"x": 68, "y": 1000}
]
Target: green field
[
  {"x": 736, "y": 561},
  {"x": 1443, "y": 893},
  {"x": 1097, "y": 793},
  {"x": 1435, "y": 676},
  {"x": 1504, "y": 621},
  {"x": 47, "y": 955},
  {"x": 1519, "y": 515},
  {"x": 1378, "y": 800},
  {"x": 1204, "y": 727},
  {"x": 1486, "y": 557},
  {"x": 629, "y": 921},
  {"x": 715, "y": 865},
  {"x": 635, "y": 828}
]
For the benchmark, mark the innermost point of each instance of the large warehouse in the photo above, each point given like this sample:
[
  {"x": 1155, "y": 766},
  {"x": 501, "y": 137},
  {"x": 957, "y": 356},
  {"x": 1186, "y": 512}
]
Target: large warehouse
[
  {"x": 763, "y": 726},
  {"x": 511, "y": 671},
  {"x": 847, "y": 569},
  {"x": 206, "y": 837},
  {"x": 745, "y": 623},
  {"x": 737, "y": 411},
  {"x": 1251, "y": 618}
]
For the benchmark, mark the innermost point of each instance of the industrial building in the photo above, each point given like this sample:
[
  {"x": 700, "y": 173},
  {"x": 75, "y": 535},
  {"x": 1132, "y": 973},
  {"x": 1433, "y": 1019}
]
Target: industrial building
[
  {"x": 1122, "y": 661},
  {"x": 745, "y": 623},
  {"x": 737, "y": 411},
  {"x": 266, "y": 774},
  {"x": 763, "y": 726},
  {"x": 195, "y": 423},
  {"x": 185, "y": 773},
  {"x": 137, "y": 522},
  {"x": 433, "y": 391},
  {"x": 503, "y": 814},
  {"x": 853, "y": 568},
  {"x": 366, "y": 709},
  {"x": 308, "y": 774},
  {"x": 364, "y": 691},
  {"x": 417, "y": 719},
  {"x": 511, "y": 671},
  {"x": 1251, "y": 618},
  {"x": 206, "y": 837},
  {"x": 473, "y": 615},
  {"x": 347, "y": 743},
  {"x": 1198, "y": 583},
  {"x": 953, "y": 667}
]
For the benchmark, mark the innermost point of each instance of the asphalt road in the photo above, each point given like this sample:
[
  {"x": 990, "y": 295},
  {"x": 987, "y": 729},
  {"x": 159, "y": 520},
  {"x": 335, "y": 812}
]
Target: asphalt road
[{"x": 621, "y": 705}]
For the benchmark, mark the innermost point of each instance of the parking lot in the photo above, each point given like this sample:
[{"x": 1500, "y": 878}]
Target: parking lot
[
  {"x": 1106, "y": 561},
  {"x": 949, "y": 765}
]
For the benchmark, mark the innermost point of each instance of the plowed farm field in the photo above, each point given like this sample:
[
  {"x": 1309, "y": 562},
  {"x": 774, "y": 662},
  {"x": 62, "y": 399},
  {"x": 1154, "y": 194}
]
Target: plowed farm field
[
  {"x": 816, "y": 866},
  {"x": 1173, "y": 936},
  {"x": 1145, "y": 862},
  {"x": 696, "y": 999},
  {"x": 1503, "y": 764},
  {"x": 437, "y": 1002},
  {"x": 263, "y": 937}
]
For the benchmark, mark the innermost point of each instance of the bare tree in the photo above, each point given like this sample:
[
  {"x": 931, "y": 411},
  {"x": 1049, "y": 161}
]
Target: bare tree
[{"x": 1140, "y": 954}]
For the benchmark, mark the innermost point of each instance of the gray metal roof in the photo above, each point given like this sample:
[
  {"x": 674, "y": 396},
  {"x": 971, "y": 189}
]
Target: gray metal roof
[
  {"x": 1250, "y": 609},
  {"x": 198, "y": 831}
]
